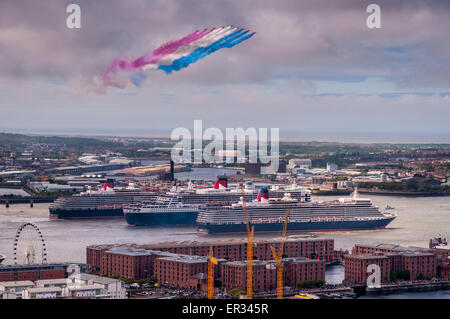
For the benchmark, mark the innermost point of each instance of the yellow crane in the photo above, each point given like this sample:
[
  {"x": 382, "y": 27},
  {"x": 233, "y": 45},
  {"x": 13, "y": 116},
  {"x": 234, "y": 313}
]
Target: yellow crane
[
  {"x": 250, "y": 234},
  {"x": 211, "y": 262},
  {"x": 279, "y": 258}
]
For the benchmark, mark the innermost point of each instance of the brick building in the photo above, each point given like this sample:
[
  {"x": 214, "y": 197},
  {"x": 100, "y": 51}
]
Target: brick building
[
  {"x": 234, "y": 275},
  {"x": 356, "y": 267},
  {"x": 295, "y": 271},
  {"x": 128, "y": 262},
  {"x": 232, "y": 250},
  {"x": 300, "y": 269},
  {"x": 444, "y": 269},
  {"x": 185, "y": 264},
  {"x": 420, "y": 262},
  {"x": 184, "y": 271}
]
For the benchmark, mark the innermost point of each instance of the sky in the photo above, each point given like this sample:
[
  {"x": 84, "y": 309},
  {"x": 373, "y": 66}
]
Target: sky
[{"x": 313, "y": 69}]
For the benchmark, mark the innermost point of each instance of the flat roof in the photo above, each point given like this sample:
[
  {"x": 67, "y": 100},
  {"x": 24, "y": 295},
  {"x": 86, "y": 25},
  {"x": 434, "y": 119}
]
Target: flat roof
[
  {"x": 33, "y": 266},
  {"x": 85, "y": 287},
  {"x": 188, "y": 258},
  {"x": 255, "y": 262},
  {"x": 98, "y": 279},
  {"x": 396, "y": 247},
  {"x": 367, "y": 256},
  {"x": 44, "y": 289},
  {"x": 291, "y": 238},
  {"x": 302, "y": 260},
  {"x": 133, "y": 251},
  {"x": 51, "y": 281}
]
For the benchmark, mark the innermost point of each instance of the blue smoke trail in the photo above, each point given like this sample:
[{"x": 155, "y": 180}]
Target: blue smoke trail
[{"x": 225, "y": 42}]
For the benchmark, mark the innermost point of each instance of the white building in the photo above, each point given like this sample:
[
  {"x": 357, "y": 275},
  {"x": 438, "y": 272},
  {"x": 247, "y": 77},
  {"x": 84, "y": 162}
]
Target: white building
[
  {"x": 45, "y": 283},
  {"x": 112, "y": 287},
  {"x": 42, "y": 293},
  {"x": 84, "y": 291},
  {"x": 331, "y": 167},
  {"x": 299, "y": 162},
  {"x": 49, "y": 187},
  {"x": 7, "y": 295},
  {"x": 15, "y": 287},
  {"x": 77, "y": 286}
]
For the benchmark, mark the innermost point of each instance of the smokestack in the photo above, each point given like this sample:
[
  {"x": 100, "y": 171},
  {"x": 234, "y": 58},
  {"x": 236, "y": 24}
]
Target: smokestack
[
  {"x": 221, "y": 181},
  {"x": 108, "y": 184},
  {"x": 263, "y": 193},
  {"x": 172, "y": 171}
]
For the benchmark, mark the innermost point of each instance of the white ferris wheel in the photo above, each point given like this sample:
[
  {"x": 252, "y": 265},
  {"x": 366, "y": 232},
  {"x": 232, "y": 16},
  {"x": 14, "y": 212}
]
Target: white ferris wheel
[{"x": 28, "y": 244}]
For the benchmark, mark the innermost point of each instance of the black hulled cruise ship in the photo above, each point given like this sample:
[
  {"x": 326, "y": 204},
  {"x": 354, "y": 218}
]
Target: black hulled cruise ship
[{"x": 105, "y": 203}]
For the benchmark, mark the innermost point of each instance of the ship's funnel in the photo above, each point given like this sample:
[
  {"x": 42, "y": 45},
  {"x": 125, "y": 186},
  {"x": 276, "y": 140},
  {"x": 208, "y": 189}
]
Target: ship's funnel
[
  {"x": 263, "y": 193},
  {"x": 108, "y": 184},
  {"x": 221, "y": 182}
]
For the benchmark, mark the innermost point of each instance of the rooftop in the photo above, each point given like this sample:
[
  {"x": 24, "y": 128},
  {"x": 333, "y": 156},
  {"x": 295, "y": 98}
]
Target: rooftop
[
  {"x": 44, "y": 289},
  {"x": 9, "y": 284},
  {"x": 60, "y": 281},
  {"x": 191, "y": 259},
  {"x": 396, "y": 247},
  {"x": 291, "y": 238},
  {"x": 85, "y": 287},
  {"x": 366, "y": 256},
  {"x": 98, "y": 279}
]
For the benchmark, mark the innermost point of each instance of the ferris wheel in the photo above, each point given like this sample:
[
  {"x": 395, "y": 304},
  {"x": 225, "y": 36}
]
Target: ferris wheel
[{"x": 29, "y": 241}]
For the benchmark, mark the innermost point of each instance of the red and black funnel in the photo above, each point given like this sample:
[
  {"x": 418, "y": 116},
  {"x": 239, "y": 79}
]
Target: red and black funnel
[
  {"x": 109, "y": 183},
  {"x": 263, "y": 193},
  {"x": 221, "y": 181}
]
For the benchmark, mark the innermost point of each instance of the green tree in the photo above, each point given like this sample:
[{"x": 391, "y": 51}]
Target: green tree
[{"x": 393, "y": 275}]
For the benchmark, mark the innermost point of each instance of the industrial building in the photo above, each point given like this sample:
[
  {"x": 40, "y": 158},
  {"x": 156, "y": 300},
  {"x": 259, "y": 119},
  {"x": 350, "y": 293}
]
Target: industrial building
[
  {"x": 128, "y": 261},
  {"x": 295, "y": 271},
  {"x": 32, "y": 272},
  {"x": 419, "y": 262},
  {"x": 78, "y": 286},
  {"x": 185, "y": 264}
]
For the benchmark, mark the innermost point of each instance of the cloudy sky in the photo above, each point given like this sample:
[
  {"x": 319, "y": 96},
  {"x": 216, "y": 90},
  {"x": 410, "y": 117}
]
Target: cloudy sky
[{"x": 313, "y": 69}]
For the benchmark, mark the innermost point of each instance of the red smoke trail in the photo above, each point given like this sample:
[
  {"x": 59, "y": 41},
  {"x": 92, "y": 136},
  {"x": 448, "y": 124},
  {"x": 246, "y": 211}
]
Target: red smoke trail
[{"x": 107, "y": 76}]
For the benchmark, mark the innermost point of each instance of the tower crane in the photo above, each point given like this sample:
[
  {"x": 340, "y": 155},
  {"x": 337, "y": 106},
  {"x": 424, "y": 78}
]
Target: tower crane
[
  {"x": 279, "y": 258},
  {"x": 211, "y": 262},
  {"x": 250, "y": 234}
]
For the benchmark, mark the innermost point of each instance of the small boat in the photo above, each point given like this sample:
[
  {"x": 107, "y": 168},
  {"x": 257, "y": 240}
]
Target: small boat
[
  {"x": 305, "y": 296},
  {"x": 389, "y": 207}
]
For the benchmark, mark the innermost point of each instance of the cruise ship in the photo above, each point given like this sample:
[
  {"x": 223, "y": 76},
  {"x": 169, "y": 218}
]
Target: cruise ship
[
  {"x": 104, "y": 203},
  {"x": 268, "y": 215},
  {"x": 165, "y": 211},
  {"x": 108, "y": 202}
]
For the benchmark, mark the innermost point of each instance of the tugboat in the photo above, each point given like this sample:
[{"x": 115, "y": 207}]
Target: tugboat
[{"x": 389, "y": 207}]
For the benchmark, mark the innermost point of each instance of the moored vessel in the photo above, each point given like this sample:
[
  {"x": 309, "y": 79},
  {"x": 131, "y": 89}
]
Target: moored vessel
[
  {"x": 164, "y": 211},
  {"x": 267, "y": 215},
  {"x": 95, "y": 204}
]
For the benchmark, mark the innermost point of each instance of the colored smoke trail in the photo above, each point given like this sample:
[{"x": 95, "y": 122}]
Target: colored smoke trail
[
  {"x": 178, "y": 54},
  {"x": 226, "y": 42}
]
